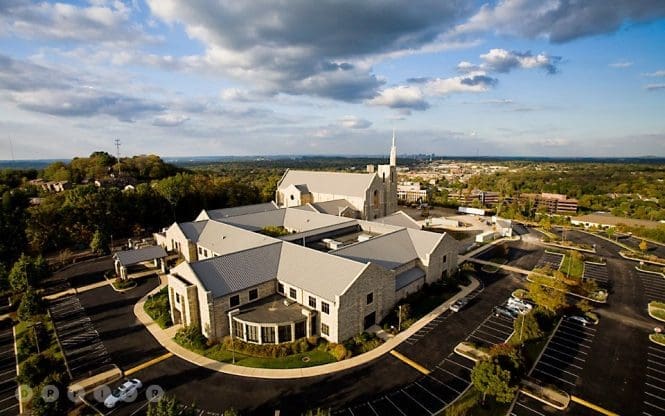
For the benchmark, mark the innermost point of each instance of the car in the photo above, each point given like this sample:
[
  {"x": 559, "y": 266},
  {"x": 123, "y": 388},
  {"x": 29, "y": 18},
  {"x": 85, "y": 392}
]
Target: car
[
  {"x": 505, "y": 312},
  {"x": 581, "y": 319},
  {"x": 459, "y": 304},
  {"x": 517, "y": 309},
  {"x": 521, "y": 305},
  {"x": 126, "y": 392}
]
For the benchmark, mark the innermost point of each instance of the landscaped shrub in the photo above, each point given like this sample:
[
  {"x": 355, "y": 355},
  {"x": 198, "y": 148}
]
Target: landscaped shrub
[
  {"x": 157, "y": 307},
  {"x": 37, "y": 367},
  {"x": 191, "y": 337},
  {"x": 267, "y": 350},
  {"x": 27, "y": 344},
  {"x": 31, "y": 305},
  {"x": 338, "y": 351},
  {"x": 362, "y": 343}
]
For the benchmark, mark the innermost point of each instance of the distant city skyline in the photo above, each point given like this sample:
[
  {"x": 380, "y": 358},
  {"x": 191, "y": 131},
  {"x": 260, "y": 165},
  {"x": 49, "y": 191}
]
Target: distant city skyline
[{"x": 185, "y": 79}]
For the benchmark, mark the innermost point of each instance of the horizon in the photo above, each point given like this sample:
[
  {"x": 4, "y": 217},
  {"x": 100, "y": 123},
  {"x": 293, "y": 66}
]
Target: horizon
[{"x": 512, "y": 77}]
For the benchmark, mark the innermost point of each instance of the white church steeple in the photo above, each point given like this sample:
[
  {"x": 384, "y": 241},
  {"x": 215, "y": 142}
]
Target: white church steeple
[{"x": 393, "y": 152}]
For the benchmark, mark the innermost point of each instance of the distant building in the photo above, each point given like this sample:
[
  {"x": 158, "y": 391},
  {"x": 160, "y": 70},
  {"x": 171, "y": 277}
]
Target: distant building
[
  {"x": 51, "y": 186},
  {"x": 605, "y": 220},
  {"x": 485, "y": 198},
  {"x": 328, "y": 275},
  {"x": 410, "y": 192},
  {"x": 122, "y": 182},
  {"x": 366, "y": 196}
]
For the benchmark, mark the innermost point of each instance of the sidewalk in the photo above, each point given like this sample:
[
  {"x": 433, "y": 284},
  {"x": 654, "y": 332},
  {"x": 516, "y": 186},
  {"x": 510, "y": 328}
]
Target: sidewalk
[
  {"x": 75, "y": 290},
  {"x": 165, "y": 338}
]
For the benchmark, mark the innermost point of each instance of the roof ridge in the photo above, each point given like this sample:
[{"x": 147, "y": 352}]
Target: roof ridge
[
  {"x": 373, "y": 239},
  {"x": 236, "y": 252}
]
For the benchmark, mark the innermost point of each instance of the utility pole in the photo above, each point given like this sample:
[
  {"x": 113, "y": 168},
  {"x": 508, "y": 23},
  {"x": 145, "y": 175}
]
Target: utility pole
[
  {"x": 399, "y": 318},
  {"x": 117, "y": 153}
]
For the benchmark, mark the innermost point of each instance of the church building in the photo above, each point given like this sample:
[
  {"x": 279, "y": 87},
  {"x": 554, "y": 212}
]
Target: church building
[{"x": 365, "y": 196}]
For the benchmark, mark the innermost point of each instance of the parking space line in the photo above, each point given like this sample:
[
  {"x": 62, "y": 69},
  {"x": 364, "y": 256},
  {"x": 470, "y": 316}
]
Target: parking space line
[
  {"x": 568, "y": 333},
  {"x": 653, "y": 405},
  {"x": 553, "y": 376},
  {"x": 557, "y": 368},
  {"x": 446, "y": 385},
  {"x": 656, "y": 355},
  {"x": 415, "y": 401},
  {"x": 494, "y": 322},
  {"x": 482, "y": 339},
  {"x": 555, "y": 342},
  {"x": 661, "y": 398},
  {"x": 395, "y": 406},
  {"x": 452, "y": 374},
  {"x": 530, "y": 409},
  {"x": 463, "y": 366},
  {"x": 654, "y": 386},
  {"x": 592, "y": 406},
  {"x": 503, "y": 331},
  {"x": 490, "y": 335},
  {"x": 545, "y": 354},
  {"x": 430, "y": 393}
]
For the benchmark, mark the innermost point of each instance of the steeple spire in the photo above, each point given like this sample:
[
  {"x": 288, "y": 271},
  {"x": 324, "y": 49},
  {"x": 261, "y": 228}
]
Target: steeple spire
[{"x": 393, "y": 152}]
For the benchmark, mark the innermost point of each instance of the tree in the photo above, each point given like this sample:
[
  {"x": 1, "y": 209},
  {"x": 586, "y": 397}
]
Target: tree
[
  {"x": 644, "y": 246},
  {"x": 31, "y": 305},
  {"x": 545, "y": 296},
  {"x": 100, "y": 242},
  {"x": 490, "y": 378},
  {"x": 27, "y": 271},
  {"x": 4, "y": 278},
  {"x": 169, "y": 406},
  {"x": 526, "y": 327},
  {"x": 610, "y": 232}
]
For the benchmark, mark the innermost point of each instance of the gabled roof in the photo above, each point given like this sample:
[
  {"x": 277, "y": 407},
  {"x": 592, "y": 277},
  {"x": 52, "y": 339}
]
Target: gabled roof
[
  {"x": 316, "y": 272},
  {"x": 237, "y": 271},
  {"x": 334, "y": 207},
  {"x": 221, "y": 238},
  {"x": 132, "y": 257},
  {"x": 388, "y": 251},
  {"x": 216, "y": 214},
  {"x": 192, "y": 230},
  {"x": 331, "y": 183},
  {"x": 399, "y": 219}
]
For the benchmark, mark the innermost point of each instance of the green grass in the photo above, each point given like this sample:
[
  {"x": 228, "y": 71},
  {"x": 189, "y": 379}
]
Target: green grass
[
  {"x": 157, "y": 307},
  {"x": 658, "y": 313},
  {"x": 659, "y": 338},
  {"x": 576, "y": 266},
  {"x": 656, "y": 304},
  {"x": 121, "y": 284},
  {"x": 469, "y": 404}
]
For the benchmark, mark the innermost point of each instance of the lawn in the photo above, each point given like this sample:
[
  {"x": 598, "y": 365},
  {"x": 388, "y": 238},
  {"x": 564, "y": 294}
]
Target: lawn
[
  {"x": 470, "y": 404},
  {"x": 313, "y": 357},
  {"x": 157, "y": 307},
  {"x": 574, "y": 267}
]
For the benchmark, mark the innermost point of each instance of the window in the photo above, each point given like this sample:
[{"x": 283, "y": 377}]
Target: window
[
  {"x": 284, "y": 332},
  {"x": 300, "y": 329},
  {"x": 324, "y": 329},
  {"x": 234, "y": 300},
  {"x": 444, "y": 257},
  {"x": 370, "y": 298},
  {"x": 252, "y": 333},
  {"x": 200, "y": 250},
  {"x": 268, "y": 335},
  {"x": 292, "y": 197},
  {"x": 177, "y": 298},
  {"x": 237, "y": 329},
  {"x": 325, "y": 308},
  {"x": 280, "y": 288},
  {"x": 253, "y": 294},
  {"x": 205, "y": 253},
  {"x": 312, "y": 302},
  {"x": 292, "y": 293}
]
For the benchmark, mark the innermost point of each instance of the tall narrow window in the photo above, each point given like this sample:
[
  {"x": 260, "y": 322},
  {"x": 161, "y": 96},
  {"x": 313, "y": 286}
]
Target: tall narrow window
[
  {"x": 312, "y": 302},
  {"x": 370, "y": 298},
  {"x": 253, "y": 294},
  {"x": 325, "y": 308},
  {"x": 234, "y": 300},
  {"x": 324, "y": 329}
]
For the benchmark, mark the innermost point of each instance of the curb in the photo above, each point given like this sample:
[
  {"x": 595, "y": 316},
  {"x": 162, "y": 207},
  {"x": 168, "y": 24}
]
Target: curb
[
  {"x": 641, "y": 260},
  {"x": 20, "y": 391},
  {"x": 571, "y": 293},
  {"x": 321, "y": 370},
  {"x": 586, "y": 250},
  {"x": 653, "y": 316},
  {"x": 654, "y": 341}
]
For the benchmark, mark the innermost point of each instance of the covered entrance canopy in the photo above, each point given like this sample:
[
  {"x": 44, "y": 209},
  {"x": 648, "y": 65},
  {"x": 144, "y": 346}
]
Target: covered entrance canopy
[{"x": 125, "y": 259}]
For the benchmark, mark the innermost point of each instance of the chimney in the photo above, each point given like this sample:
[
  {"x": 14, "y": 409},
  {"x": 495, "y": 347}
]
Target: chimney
[{"x": 370, "y": 168}]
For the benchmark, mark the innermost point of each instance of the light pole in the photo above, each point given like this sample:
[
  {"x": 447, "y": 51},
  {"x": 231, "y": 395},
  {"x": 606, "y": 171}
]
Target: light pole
[{"x": 399, "y": 318}]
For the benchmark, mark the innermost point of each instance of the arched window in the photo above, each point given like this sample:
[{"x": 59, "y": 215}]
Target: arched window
[{"x": 375, "y": 199}]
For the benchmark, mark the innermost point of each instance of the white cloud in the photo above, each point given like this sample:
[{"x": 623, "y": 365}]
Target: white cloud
[
  {"x": 659, "y": 73},
  {"x": 621, "y": 64},
  {"x": 502, "y": 60},
  {"x": 473, "y": 82},
  {"x": 353, "y": 122},
  {"x": 655, "y": 87},
  {"x": 403, "y": 96},
  {"x": 169, "y": 120}
]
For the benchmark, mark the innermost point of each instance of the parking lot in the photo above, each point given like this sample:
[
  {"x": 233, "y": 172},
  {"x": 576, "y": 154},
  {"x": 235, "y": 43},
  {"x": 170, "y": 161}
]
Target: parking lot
[
  {"x": 653, "y": 286},
  {"x": 553, "y": 260},
  {"x": 84, "y": 351},
  {"x": 8, "y": 402},
  {"x": 563, "y": 360},
  {"x": 447, "y": 381},
  {"x": 654, "y": 387},
  {"x": 597, "y": 272}
]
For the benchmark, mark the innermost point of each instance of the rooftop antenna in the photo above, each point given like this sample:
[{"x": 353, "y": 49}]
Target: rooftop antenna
[{"x": 117, "y": 152}]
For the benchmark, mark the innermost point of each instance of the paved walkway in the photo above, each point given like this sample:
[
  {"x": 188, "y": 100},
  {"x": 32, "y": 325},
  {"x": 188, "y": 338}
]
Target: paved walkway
[
  {"x": 76, "y": 290},
  {"x": 165, "y": 338}
]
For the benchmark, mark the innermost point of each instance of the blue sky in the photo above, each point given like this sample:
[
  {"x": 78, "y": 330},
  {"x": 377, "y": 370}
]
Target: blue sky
[{"x": 512, "y": 77}]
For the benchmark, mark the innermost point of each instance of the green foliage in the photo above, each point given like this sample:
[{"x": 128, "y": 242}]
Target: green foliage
[
  {"x": 317, "y": 412},
  {"x": 12, "y": 224},
  {"x": 4, "y": 278},
  {"x": 100, "y": 242},
  {"x": 545, "y": 296},
  {"x": 27, "y": 271},
  {"x": 35, "y": 369},
  {"x": 362, "y": 343},
  {"x": 31, "y": 338},
  {"x": 284, "y": 349},
  {"x": 158, "y": 308},
  {"x": 527, "y": 328},
  {"x": 31, "y": 305},
  {"x": 169, "y": 406},
  {"x": 644, "y": 246},
  {"x": 191, "y": 337},
  {"x": 274, "y": 231},
  {"x": 339, "y": 351},
  {"x": 491, "y": 379},
  {"x": 41, "y": 407}
]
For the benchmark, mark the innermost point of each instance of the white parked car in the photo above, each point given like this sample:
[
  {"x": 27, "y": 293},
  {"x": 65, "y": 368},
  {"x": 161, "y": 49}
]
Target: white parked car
[
  {"x": 519, "y": 304},
  {"x": 459, "y": 304},
  {"x": 581, "y": 319},
  {"x": 127, "y": 392}
]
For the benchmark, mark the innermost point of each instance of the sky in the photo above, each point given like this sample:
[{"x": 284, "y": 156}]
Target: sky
[{"x": 559, "y": 78}]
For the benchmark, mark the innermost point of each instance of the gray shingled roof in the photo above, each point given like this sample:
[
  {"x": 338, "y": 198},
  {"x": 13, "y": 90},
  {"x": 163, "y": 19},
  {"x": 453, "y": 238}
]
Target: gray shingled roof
[
  {"x": 333, "y": 207},
  {"x": 406, "y": 278},
  {"x": 216, "y": 214},
  {"x": 388, "y": 250},
  {"x": 316, "y": 272},
  {"x": 192, "y": 230},
  {"x": 399, "y": 219},
  {"x": 131, "y": 257},
  {"x": 221, "y": 238},
  {"x": 335, "y": 183},
  {"x": 237, "y": 271}
]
